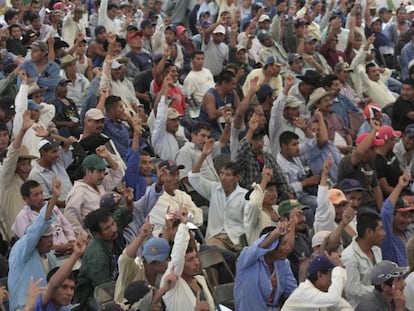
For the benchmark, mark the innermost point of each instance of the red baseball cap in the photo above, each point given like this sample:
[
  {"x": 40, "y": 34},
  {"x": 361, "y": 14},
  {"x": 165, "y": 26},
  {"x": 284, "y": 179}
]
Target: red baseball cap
[
  {"x": 386, "y": 132},
  {"x": 371, "y": 110},
  {"x": 132, "y": 35},
  {"x": 180, "y": 30},
  {"x": 375, "y": 141}
]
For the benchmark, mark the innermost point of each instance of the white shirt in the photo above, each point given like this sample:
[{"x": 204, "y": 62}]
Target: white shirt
[
  {"x": 226, "y": 214},
  {"x": 215, "y": 55},
  {"x": 71, "y": 29},
  {"x": 104, "y": 20},
  {"x": 77, "y": 90}
]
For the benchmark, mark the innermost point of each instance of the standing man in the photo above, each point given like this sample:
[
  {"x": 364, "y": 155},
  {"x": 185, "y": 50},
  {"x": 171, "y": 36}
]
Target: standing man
[{"x": 403, "y": 109}]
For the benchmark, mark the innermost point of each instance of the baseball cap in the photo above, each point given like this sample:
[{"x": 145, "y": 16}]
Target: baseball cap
[
  {"x": 336, "y": 196},
  {"x": 31, "y": 105},
  {"x": 172, "y": 113},
  {"x": 240, "y": 47},
  {"x": 180, "y": 30},
  {"x": 170, "y": 165},
  {"x": 310, "y": 38},
  {"x": 350, "y": 184},
  {"x": 386, "y": 270},
  {"x": 375, "y": 141},
  {"x": 263, "y": 18},
  {"x": 136, "y": 291},
  {"x": 271, "y": 60},
  {"x": 319, "y": 263},
  {"x": 264, "y": 91},
  {"x": 342, "y": 66},
  {"x": 40, "y": 45},
  {"x": 115, "y": 64},
  {"x": 300, "y": 22},
  {"x": 409, "y": 8},
  {"x": 292, "y": 102},
  {"x": 386, "y": 132},
  {"x": 93, "y": 162},
  {"x": 60, "y": 44},
  {"x": 383, "y": 10},
  {"x": 371, "y": 110},
  {"x": 400, "y": 206},
  {"x": 156, "y": 249},
  {"x": 319, "y": 237},
  {"x": 48, "y": 143},
  {"x": 134, "y": 34},
  {"x": 375, "y": 20},
  {"x": 219, "y": 29},
  {"x": 173, "y": 28},
  {"x": 263, "y": 34},
  {"x": 111, "y": 201},
  {"x": 145, "y": 23},
  {"x": 409, "y": 130},
  {"x": 292, "y": 57},
  {"x": 63, "y": 81},
  {"x": 7, "y": 105},
  {"x": 94, "y": 114},
  {"x": 286, "y": 206}
]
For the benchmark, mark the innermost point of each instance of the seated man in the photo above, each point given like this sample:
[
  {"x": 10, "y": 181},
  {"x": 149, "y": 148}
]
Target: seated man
[
  {"x": 225, "y": 217},
  {"x": 98, "y": 264},
  {"x": 361, "y": 255},
  {"x": 388, "y": 280},
  {"x": 32, "y": 194},
  {"x": 295, "y": 174},
  {"x": 31, "y": 256},
  {"x": 172, "y": 199},
  {"x": 323, "y": 288}
]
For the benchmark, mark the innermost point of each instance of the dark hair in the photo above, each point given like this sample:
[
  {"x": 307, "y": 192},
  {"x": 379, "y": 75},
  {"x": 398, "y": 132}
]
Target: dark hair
[
  {"x": 27, "y": 186},
  {"x": 225, "y": 76},
  {"x": 195, "y": 53},
  {"x": 200, "y": 126},
  {"x": 94, "y": 218},
  {"x": 231, "y": 66},
  {"x": 144, "y": 153},
  {"x": 112, "y": 6},
  {"x": 14, "y": 26},
  {"x": 388, "y": 282},
  {"x": 3, "y": 127},
  {"x": 111, "y": 101},
  {"x": 32, "y": 17},
  {"x": 286, "y": 137},
  {"x": 406, "y": 192},
  {"x": 234, "y": 167},
  {"x": 368, "y": 66},
  {"x": 409, "y": 82},
  {"x": 52, "y": 272},
  {"x": 10, "y": 13},
  {"x": 328, "y": 80},
  {"x": 314, "y": 277},
  {"x": 367, "y": 221},
  {"x": 399, "y": 9}
]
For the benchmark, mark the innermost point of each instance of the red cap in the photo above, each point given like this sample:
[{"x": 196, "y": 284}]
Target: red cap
[
  {"x": 386, "y": 132},
  {"x": 370, "y": 110},
  {"x": 180, "y": 30},
  {"x": 375, "y": 141},
  {"x": 132, "y": 35}
]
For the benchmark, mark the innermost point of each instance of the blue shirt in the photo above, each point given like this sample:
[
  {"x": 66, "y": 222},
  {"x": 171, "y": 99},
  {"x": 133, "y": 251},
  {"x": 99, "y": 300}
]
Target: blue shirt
[
  {"x": 118, "y": 132},
  {"x": 341, "y": 106},
  {"x": 407, "y": 54},
  {"x": 393, "y": 247},
  {"x": 133, "y": 178},
  {"x": 253, "y": 286},
  {"x": 48, "y": 79},
  {"x": 316, "y": 156},
  {"x": 48, "y": 307},
  {"x": 26, "y": 261}
]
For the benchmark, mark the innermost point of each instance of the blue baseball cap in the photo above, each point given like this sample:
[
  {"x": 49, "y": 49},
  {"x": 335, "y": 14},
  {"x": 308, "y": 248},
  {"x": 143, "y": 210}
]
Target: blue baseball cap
[
  {"x": 156, "y": 249},
  {"x": 319, "y": 263}
]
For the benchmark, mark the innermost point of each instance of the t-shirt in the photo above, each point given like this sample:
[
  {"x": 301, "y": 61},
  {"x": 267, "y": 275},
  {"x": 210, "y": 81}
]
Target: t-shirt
[
  {"x": 364, "y": 172},
  {"x": 388, "y": 167},
  {"x": 399, "y": 114}
]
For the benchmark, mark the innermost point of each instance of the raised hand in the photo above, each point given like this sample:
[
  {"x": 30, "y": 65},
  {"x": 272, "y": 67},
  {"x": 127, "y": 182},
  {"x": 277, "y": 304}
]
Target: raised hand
[
  {"x": 23, "y": 76},
  {"x": 40, "y": 131},
  {"x": 80, "y": 245},
  {"x": 348, "y": 214},
  {"x": 102, "y": 152},
  {"x": 327, "y": 165},
  {"x": 170, "y": 279},
  {"x": 183, "y": 213},
  {"x": 404, "y": 179},
  {"x": 208, "y": 147},
  {"x": 289, "y": 81},
  {"x": 254, "y": 122},
  {"x": 299, "y": 123},
  {"x": 33, "y": 292},
  {"x": 375, "y": 125},
  {"x": 254, "y": 85},
  {"x": 104, "y": 93},
  {"x": 267, "y": 174},
  {"x": 57, "y": 187},
  {"x": 27, "y": 122},
  {"x": 170, "y": 217},
  {"x": 335, "y": 259},
  {"x": 146, "y": 229}
]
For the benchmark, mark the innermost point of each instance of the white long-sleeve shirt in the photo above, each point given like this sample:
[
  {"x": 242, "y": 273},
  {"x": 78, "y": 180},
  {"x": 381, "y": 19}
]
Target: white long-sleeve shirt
[{"x": 308, "y": 298}]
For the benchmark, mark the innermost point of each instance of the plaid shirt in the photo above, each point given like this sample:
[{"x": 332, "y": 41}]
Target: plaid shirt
[{"x": 251, "y": 169}]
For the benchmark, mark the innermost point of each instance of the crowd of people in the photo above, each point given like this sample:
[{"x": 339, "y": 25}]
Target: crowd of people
[{"x": 138, "y": 139}]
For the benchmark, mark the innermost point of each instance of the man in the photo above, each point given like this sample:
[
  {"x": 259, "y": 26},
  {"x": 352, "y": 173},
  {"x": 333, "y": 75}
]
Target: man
[
  {"x": 323, "y": 287},
  {"x": 138, "y": 59},
  {"x": 218, "y": 101},
  {"x": 78, "y": 84},
  {"x": 225, "y": 218},
  {"x": 264, "y": 262},
  {"x": 295, "y": 62},
  {"x": 294, "y": 172},
  {"x": 53, "y": 162},
  {"x": 253, "y": 159},
  {"x": 302, "y": 91},
  {"x": 403, "y": 110},
  {"x": 373, "y": 112},
  {"x": 313, "y": 60},
  {"x": 396, "y": 217},
  {"x": 13, "y": 172},
  {"x": 388, "y": 280},
  {"x": 343, "y": 70},
  {"x": 353, "y": 191},
  {"x": 361, "y": 255},
  {"x": 215, "y": 50},
  {"x": 106, "y": 16},
  {"x": 165, "y": 39},
  {"x": 61, "y": 282},
  {"x": 329, "y": 47},
  {"x": 30, "y": 256},
  {"x": 374, "y": 86},
  {"x": 386, "y": 163},
  {"x": 165, "y": 137},
  {"x": 7, "y": 109},
  {"x": 36, "y": 24},
  {"x": 98, "y": 264},
  {"x": 360, "y": 165},
  {"x": 338, "y": 132},
  {"x": 404, "y": 150},
  {"x": 269, "y": 48},
  {"x": 85, "y": 194},
  {"x": 286, "y": 116},
  {"x": 198, "y": 81},
  {"x": 172, "y": 199},
  {"x": 41, "y": 70},
  {"x": 32, "y": 193},
  {"x": 73, "y": 25},
  {"x": 96, "y": 51}
]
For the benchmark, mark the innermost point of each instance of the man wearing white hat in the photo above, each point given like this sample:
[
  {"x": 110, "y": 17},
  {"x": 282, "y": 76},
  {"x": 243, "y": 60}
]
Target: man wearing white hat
[{"x": 215, "y": 50}]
